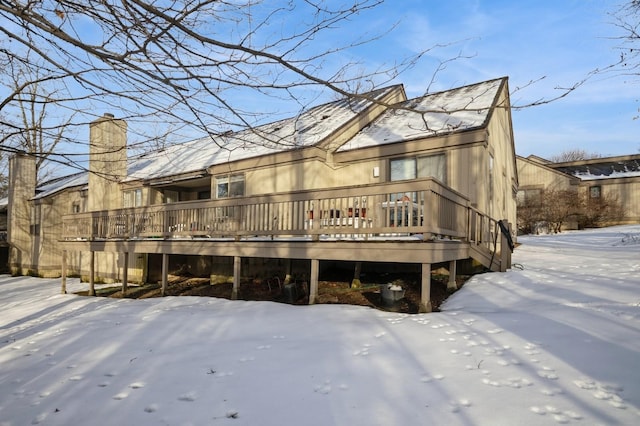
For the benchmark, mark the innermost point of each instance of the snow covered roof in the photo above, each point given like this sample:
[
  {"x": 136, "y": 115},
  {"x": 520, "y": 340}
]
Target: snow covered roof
[
  {"x": 307, "y": 129},
  {"x": 460, "y": 109},
  {"x": 602, "y": 168},
  {"x": 56, "y": 185},
  {"x": 450, "y": 111}
]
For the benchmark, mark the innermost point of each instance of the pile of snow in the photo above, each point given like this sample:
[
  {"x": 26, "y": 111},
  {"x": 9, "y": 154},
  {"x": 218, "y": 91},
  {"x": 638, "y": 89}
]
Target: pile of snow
[{"x": 555, "y": 340}]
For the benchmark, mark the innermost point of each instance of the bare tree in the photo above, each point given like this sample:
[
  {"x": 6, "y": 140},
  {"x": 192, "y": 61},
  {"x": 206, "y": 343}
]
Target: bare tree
[
  {"x": 574, "y": 155},
  {"x": 39, "y": 131},
  {"x": 627, "y": 20},
  {"x": 601, "y": 211},
  {"x": 558, "y": 206},
  {"x": 197, "y": 66},
  {"x": 529, "y": 214},
  {"x": 188, "y": 67},
  {"x": 552, "y": 209}
]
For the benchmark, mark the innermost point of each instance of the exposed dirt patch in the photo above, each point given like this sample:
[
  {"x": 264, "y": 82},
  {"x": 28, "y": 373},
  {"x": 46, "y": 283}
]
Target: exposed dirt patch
[{"x": 334, "y": 291}]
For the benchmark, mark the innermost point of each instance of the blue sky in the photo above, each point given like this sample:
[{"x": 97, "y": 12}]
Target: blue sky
[
  {"x": 557, "y": 42},
  {"x": 562, "y": 41}
]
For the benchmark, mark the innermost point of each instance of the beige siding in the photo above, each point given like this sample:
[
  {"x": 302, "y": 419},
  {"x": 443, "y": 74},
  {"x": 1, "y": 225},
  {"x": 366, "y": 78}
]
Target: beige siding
[
  {"x": 532, "y": 175},
  {"x": 505, "y": 175},
  {"x": 627, "y": 190}
]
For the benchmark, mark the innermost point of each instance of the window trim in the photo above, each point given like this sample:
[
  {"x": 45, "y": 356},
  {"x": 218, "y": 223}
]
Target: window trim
[
  {"x": 228, "y": 180},
  {"x": 132, "y": 198},
  {"x": 416, "y": 159}
]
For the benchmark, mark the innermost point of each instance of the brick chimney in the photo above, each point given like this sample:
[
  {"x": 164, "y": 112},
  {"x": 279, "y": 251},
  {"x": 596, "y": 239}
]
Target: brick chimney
[
  {"x": 22, "y": 188},
  {"x": 107, "y": 162}
]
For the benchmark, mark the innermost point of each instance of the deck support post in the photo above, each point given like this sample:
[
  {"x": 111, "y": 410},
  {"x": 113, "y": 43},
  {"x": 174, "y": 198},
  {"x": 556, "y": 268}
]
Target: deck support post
[
  {"x": 63, "y": 273},
  {"x": 313, "y": 285},
  {"x": 237, "y": 263},
  {"x": 92, "y": 269},
  {"x": 287, "y": 272},
  {"x": 125, "y": 273},
  {"x": 165, "y": 273},
  {"x": 425, "y": 293},
  {"x": 355, "y": 282},
  {"x": 451, "y": 284}
]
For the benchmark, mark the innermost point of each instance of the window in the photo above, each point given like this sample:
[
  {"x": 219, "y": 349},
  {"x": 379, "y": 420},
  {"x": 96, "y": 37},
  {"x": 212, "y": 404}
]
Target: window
[
  {"x": 132, "y": 198},
  {"x": 36, "y": 214},
  {"x": 171, "y": 196},
  {"x": 75, "y": 208},
  {"x": 230, "y": 186},
  {"x": 490, "y": 177},
  {"x": 529, "y": 197},
  {"x": 419, "y": 167}
]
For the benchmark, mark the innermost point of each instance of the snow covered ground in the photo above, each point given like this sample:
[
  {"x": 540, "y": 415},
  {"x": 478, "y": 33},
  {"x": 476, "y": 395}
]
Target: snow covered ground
[{"x": 557, "y": 341}]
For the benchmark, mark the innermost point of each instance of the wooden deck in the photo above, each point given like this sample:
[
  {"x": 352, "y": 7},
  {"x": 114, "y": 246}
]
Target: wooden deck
[{"x": 418, "y": 221}]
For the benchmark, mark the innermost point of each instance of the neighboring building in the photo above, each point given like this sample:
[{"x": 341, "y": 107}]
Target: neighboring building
[
  {"x": 594, "y": 180},
  {"x": 374, "y": 179}
]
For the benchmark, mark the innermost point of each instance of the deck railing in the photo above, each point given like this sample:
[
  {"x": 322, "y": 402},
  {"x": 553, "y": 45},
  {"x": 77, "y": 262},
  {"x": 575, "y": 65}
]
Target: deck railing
[{"x": 422, "y": 207}]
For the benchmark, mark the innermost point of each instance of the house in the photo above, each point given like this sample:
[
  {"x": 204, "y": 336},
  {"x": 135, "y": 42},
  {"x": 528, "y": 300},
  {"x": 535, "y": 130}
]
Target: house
[
  {"x": 596, "y": 182},
  {"x": 375, "y": 178}
]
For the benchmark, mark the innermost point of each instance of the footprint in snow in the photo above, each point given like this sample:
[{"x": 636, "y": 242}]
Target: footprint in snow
[
  {"x": 120, "y": 396},
  {"x": 551, "y": 392},
  {"x": 324, "y": 388},
  {"x": 151, "y": 408},
  {"x": 548, "y": 373},
  {"x": 455, "y": 406},
  {"x": 188, "y": 397},
  {"x": 136, "y": 385},
  {"x": 490, "y": 382},
  {"x": 364, "y": 351},
  {"x": 538, "y": 410},
  {"x": 561, "y": 418},
  {"x": 517, "y": 382}
]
